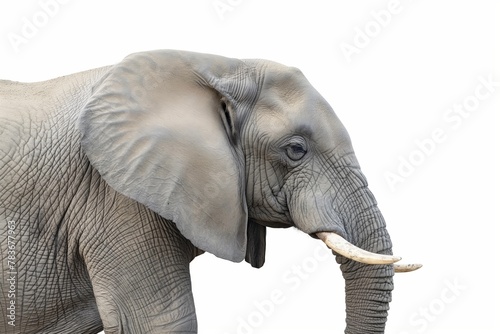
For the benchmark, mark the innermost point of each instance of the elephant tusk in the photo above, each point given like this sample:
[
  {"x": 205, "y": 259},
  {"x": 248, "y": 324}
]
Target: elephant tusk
[
  {"x": 406, "y": 268},
  {"x": 345, "y": 248}
]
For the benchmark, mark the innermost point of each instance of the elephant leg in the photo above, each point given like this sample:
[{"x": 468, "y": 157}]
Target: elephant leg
[
  {"x": 132, "y": 307},
  {"x": 139, "y": 270}
]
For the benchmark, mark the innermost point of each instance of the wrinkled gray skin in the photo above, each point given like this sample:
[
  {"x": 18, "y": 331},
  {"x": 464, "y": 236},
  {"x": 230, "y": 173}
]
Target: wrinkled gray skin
[{"x": 116, "y": 178}]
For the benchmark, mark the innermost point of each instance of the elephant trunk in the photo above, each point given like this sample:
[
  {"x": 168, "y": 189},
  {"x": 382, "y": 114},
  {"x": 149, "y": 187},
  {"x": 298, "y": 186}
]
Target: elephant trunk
[
  {"x": 368, "y": 293},
  {"x": 357, "y": 219},
  {"x": 367, "y": 286},
  {"x": 342, "y": 203}
]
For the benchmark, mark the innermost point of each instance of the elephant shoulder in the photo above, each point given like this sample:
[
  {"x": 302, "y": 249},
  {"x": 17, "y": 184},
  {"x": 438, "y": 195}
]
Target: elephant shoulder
[{"x": 44, "y": 100}]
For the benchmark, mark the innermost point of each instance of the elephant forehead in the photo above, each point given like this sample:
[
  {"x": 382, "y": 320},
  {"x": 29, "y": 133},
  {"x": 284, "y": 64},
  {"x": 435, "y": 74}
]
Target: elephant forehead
[{"x": 308, "y": 115}]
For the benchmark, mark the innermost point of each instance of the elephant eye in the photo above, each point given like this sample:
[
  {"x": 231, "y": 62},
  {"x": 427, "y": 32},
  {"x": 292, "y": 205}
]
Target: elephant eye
[{"x": 296, "y": 151}]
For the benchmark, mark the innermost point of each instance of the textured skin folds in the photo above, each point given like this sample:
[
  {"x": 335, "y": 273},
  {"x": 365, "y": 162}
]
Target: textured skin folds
[
  {"x": 114, "y": 179},
  {"x": 41, "y": 171},
  {"x": 65, "y": 228}
]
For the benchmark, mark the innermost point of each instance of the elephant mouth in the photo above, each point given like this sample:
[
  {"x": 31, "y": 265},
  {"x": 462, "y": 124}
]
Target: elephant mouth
[
  {"x": 272, "y": 224},
  {"x": 343, "y": 247}
]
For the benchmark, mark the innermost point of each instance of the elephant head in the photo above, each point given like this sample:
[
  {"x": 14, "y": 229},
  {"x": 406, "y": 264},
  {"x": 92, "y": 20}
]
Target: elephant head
[{"x": 225, "y": 148}]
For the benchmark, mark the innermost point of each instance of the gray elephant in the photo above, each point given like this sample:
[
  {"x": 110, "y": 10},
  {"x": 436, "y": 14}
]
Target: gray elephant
[{"x": 114, "y": 179}]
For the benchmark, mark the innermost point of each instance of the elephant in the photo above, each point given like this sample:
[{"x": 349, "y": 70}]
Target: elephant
[{"x": 114, "y": 179}]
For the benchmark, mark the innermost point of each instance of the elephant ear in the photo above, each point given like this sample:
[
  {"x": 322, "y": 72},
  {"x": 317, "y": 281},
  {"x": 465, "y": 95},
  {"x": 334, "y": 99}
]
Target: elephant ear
[{"x": 162, "y": 128}]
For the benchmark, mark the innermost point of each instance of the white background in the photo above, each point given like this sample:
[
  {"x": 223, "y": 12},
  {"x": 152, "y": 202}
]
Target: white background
[{"x": 395, "y": 91}]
